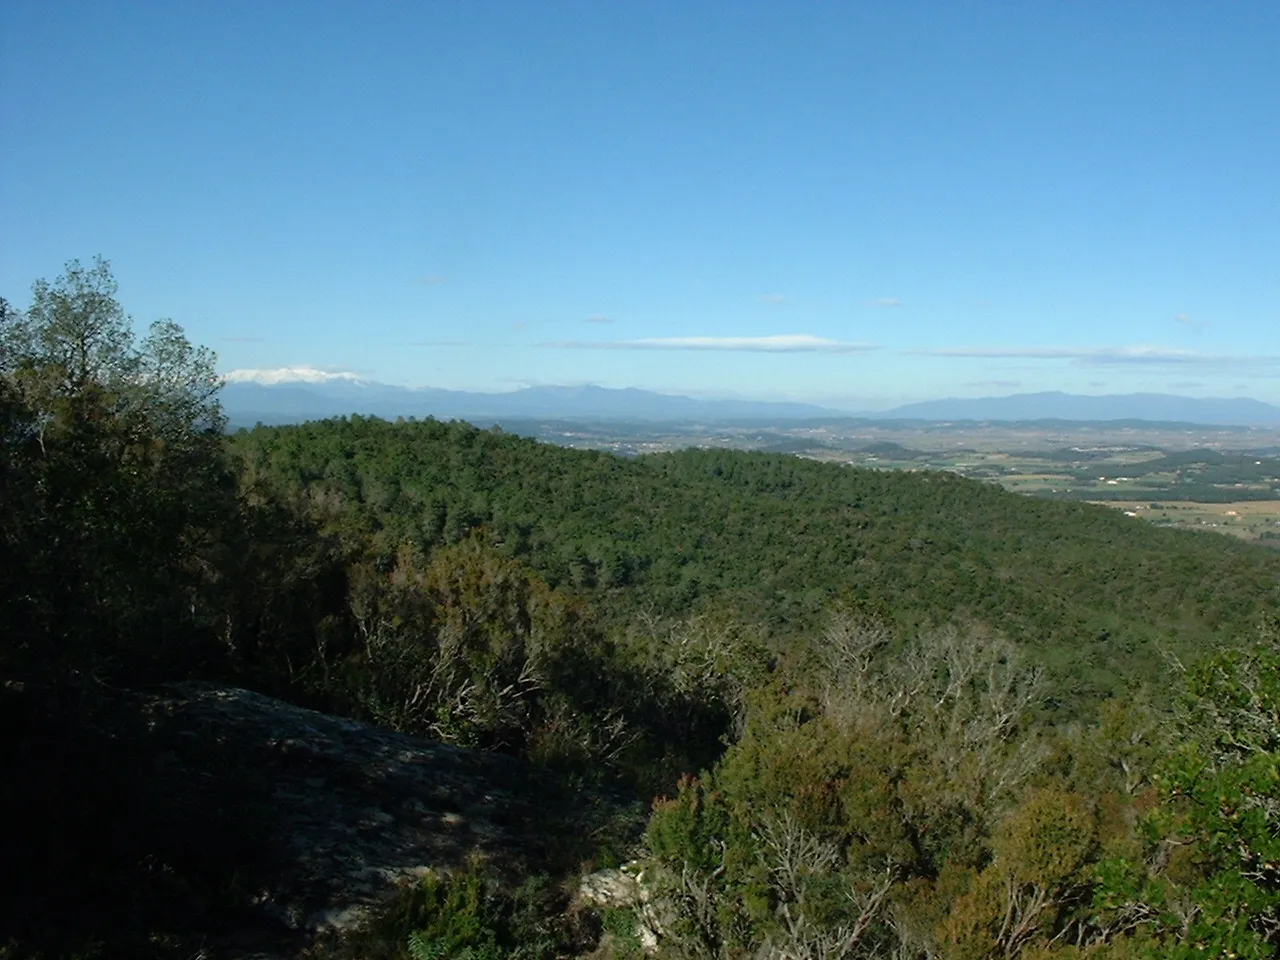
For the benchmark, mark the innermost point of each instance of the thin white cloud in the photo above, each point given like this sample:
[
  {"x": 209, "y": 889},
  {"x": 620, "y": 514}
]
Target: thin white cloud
[
  {"x": 598, "y": 318},
  {"x": 1190, "y": 322},
  {"x": 773, "y": 297},
  {"x": 994, "y": 383},
  {"x": 1136, "y": 354},
  {"x": 442, "y": 343},
  {"x": 886, "y": 302},
  {"x": 430, "y": 280},
  {"x": 783, "y": 343}
]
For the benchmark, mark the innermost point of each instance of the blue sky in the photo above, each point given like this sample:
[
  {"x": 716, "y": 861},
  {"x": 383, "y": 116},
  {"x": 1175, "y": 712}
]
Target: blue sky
[{"x": 858, "y": 203}]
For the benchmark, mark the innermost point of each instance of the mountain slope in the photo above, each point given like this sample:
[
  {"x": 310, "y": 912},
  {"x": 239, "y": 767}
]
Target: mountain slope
[{"x": 777, "y": 540}]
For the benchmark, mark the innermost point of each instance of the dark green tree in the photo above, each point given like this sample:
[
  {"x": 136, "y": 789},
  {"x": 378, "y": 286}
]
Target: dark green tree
[{"x": 114, "y": 485}]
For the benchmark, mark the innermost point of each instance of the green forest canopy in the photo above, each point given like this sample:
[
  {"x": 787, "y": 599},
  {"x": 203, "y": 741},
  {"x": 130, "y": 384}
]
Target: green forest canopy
[{"x": 777, "y": 540}]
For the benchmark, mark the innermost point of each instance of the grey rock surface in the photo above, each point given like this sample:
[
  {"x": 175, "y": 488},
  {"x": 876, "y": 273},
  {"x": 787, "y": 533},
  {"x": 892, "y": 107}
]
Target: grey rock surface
[{"x": 348, "y": 812}]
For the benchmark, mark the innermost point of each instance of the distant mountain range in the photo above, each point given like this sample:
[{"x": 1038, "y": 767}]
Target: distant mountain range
[
  {"x": 1239, "y": 411},
  {"x": 294, "y": 395},
  {"x": 270, "y": 398}
]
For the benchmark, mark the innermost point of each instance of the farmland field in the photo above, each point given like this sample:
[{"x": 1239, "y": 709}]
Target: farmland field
[
  {"x": 1247, "y": 519},
  {"x": 1216, "y": 479}
]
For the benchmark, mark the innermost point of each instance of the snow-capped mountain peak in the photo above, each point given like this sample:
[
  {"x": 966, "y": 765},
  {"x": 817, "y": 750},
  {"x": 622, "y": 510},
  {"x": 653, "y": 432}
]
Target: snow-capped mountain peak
[{"x": 292, "y": 375}]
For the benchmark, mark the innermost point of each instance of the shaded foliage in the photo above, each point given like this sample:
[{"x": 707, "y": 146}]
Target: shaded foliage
[{"x": 115, "y": 487}]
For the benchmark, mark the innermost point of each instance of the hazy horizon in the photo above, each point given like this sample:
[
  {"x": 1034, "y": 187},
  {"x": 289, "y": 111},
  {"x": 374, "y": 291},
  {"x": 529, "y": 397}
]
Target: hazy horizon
[{"x": 281, "y": 392}]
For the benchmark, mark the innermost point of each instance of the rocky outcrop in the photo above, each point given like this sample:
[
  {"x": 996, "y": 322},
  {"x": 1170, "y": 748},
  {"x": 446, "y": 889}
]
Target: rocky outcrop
[
  {"x": 206, "y": 820},
  {"x": 624, "y": 888},
  {"x": 347, "y": 812}
]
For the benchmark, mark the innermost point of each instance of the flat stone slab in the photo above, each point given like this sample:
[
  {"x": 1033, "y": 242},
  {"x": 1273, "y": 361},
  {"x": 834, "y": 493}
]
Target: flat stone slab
[{"x": 349, "y": 812}]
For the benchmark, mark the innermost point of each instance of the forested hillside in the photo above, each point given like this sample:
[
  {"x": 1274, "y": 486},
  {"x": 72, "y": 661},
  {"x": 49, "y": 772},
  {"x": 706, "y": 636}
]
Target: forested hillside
[
  {"x": 824, "y": 712},
  {"x": 775, "y": 541}
]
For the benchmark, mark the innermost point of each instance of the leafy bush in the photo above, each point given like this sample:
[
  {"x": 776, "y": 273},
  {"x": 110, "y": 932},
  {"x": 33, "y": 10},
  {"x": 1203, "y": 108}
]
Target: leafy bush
[
  {"x": 467, "y": 916},
  {"x": 1210, "y": 883}
]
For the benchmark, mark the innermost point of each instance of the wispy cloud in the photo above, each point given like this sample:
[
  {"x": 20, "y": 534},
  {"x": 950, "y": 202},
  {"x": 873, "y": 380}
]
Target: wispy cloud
[
  {"x": 773, "y": 297},
  {"x": 1190, "y": 322},
  {"x": 783, "y": 343},
  {"x": 994, "y": 383},
  {"x": 244, "y": 339},
  {"x": 440, "y": 343},
  {"x": 430, "y": 280},
  {"x": 1136, "y": 354},
  {"x": 598, "y": 318},
  {"x": 886, "y": 302}
]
